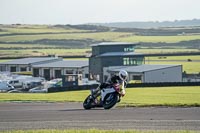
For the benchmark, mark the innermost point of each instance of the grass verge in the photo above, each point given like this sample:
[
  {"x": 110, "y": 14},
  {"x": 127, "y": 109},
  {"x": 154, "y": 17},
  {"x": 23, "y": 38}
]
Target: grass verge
[{"x": 188, "y": 96}]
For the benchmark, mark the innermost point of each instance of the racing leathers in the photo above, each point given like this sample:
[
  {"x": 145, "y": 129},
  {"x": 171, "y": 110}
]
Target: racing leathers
[{"x": 113, "y": 80}]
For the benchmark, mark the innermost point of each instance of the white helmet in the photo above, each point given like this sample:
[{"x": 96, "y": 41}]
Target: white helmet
[{"x": 123, "y": 75}]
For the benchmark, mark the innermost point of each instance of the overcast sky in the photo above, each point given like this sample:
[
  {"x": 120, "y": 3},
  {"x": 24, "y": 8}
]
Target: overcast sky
[{"x": 96, "y": 11}]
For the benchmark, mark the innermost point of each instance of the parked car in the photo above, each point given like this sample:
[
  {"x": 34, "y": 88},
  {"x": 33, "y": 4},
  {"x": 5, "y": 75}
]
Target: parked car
[
  {"x": 31, "y": 84},
  {"x": 38, "y": 90},
  {"x": 4, "y": 87},
  {"x": 16, "y": 83},
  {"x": 53, "y": 83},
  {"x": 14, "y": 91}
]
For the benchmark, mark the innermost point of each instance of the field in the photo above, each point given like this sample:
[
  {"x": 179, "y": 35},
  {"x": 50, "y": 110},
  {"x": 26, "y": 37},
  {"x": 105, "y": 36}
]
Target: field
[
  {"x": 37, "y": 29},
  {"x": 108, "y": 36},
  {"x": 192, "y": 66},
  {"x": 42, "y": 52},
  {"x": 53, "y": 32},
  {"x": 189, "y": 67},
  {"x": 181, "y": 58},
  {"x": 159, "y": 96},
  {"x": 162, "y": 50},
  {"x": 169, "y": 39},
  {"x": 42, "y": 40},
  {"x": 4, "y": 60}
]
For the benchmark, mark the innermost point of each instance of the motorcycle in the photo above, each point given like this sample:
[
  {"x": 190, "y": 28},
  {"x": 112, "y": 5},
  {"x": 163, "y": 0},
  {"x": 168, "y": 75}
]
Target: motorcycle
[{"x": 107, "y": 99}]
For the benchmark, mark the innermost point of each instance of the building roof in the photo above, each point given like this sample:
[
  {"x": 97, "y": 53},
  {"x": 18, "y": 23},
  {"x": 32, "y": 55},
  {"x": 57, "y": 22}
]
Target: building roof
[
  {"x": 114, "y": 43},
  {"x": 120, "y": 54},
  {"x": 140, "y": 68},
  {"x": 26, "y": 61},
  {"x": 64, "y": 64}
]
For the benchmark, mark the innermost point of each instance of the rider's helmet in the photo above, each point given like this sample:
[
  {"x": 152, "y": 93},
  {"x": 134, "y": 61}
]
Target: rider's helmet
[{"x": 123, "y": 75}]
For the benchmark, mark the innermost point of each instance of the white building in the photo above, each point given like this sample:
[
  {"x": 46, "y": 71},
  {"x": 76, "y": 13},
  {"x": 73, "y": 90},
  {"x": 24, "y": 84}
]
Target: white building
[
  {"x": 57, "y": 69},
  {"x": 148, "y": 73},
  {"x": 25, "y": 64}
]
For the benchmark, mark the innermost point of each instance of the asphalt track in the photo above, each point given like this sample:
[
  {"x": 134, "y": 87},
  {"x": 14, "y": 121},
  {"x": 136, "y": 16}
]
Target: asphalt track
[{"x": 23, "y": 116}]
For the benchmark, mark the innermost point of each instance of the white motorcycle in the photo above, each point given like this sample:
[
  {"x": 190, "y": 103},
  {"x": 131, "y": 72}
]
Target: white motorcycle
[{"x": 107, "y": 99}]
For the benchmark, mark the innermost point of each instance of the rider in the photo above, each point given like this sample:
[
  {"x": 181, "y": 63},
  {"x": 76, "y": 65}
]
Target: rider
[{"x": 120, "y": 79}]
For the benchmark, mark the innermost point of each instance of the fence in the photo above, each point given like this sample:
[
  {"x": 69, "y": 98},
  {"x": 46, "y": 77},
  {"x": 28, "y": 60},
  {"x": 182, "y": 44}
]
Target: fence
[{"x": 88, "y": 87}]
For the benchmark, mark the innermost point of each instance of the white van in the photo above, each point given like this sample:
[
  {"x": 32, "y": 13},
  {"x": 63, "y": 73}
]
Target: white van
[
  {"x": 4, "y": 87},
  {"x": 16, "y": 83}
]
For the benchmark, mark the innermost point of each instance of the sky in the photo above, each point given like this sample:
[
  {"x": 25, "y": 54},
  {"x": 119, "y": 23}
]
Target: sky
[{"x": 96, "y": 11}]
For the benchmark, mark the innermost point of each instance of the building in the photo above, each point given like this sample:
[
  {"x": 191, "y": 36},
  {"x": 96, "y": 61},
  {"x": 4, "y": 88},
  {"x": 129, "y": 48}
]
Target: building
[
  {"x": 149, "y": 73},
  {"x": 25, "y": 64},
  {"x": 47, "y": 67},
  {"x": 56, "y": 69},
  {"x": 112, "y": 54},
  {"x": 107, "y": 58}
]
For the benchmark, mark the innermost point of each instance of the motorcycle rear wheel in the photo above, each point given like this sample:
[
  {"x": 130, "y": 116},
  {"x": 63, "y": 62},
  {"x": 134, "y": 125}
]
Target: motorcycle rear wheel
[{"x": 110, "y": 100}]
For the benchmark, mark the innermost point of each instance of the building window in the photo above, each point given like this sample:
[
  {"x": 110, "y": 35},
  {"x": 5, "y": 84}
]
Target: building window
[
  {"x": 140, "y": 62},
  {"x": 58, "y": 74},
  {"x": 69, "y": 72},
  {"x": 13, "y": 69},
  {"x": 36, "y": 72},
  {"x": 129, "y": 61},
  {"x": 71, "y": 78},
  {"x": 23, "y": 69},
  {"x": 2, "y": 68},
  {"x": 79, "y": 72},
  {"x": 137, "y": 77},
  {"x": 86, "y": 75},
  {"x": 126, "y": 61}
]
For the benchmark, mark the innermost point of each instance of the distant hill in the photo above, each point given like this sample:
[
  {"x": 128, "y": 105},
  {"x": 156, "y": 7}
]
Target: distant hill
[{"x": 152, "y": 24}]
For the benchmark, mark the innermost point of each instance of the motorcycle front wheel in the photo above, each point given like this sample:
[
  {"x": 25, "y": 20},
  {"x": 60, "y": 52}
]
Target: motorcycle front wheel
[
  {"x": 110, "y": 100},
  {"x": 87, "y": 104}
]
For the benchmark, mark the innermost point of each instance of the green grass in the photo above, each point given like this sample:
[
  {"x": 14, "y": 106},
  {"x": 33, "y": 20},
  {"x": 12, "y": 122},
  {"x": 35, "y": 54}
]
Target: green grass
[
  {"x": 107, "y": 36},
  {"x": 38, "y": 29},
  {"x": 94, "y": 131},
  {"x": 32, "y": 51},
  {"x": 163, "y": 96},
  {"x": 42, "y": 52},
  {"x": 4, "y": 60},
  {"x": 75, "y": 34},
  {"x": 168, "y": 39},
  {"x": 189, "y": 67},
  {"x": 183, "y": 58},
  {"x": 152, "y": 96},
  {"x": 71, "y": 33},
  {"x": 161, "y": 50},
  {"x": 25, "y": 46},
  {"x": 70, "y": 96}
]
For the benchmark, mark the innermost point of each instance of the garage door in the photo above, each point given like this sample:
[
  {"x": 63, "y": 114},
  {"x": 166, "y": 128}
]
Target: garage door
[
  {"x": 47, "y": 74},
  {"x": 57, "y": 73},
  {"x": 36, "y": 72}
]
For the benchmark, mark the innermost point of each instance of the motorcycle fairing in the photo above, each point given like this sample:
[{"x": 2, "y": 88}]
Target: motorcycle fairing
[{"x": 106, "y": 91}]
